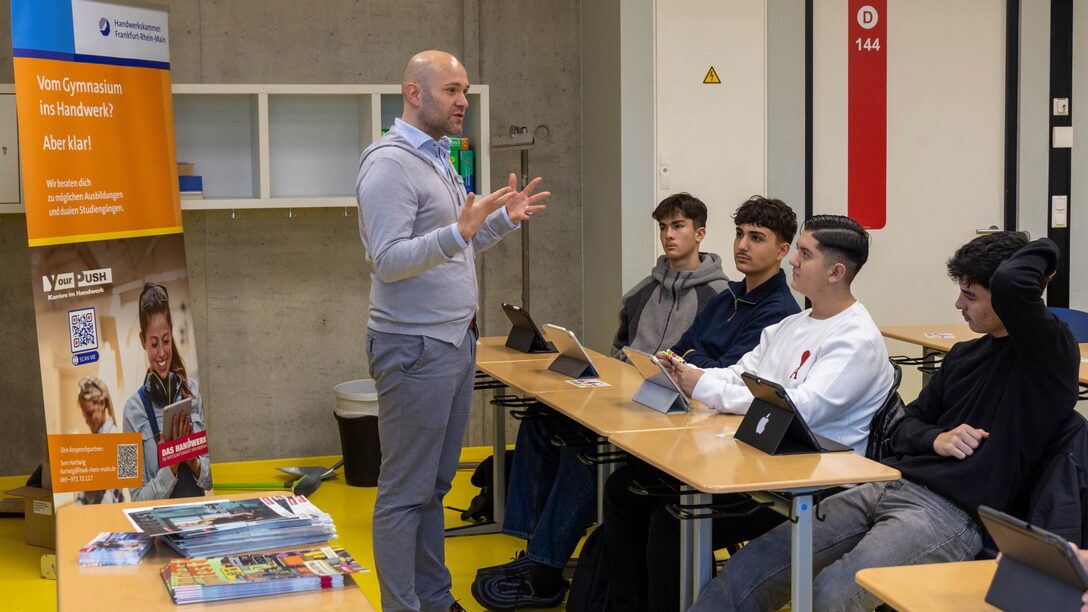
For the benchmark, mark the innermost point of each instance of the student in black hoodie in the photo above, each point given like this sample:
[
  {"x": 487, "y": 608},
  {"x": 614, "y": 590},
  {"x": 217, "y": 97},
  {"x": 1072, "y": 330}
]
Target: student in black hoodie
[{"x": 972, "y": 437}]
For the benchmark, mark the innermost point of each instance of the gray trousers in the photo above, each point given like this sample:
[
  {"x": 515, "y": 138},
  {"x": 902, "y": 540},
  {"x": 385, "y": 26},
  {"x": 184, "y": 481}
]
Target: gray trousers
[{"x": 424, "y": 397}]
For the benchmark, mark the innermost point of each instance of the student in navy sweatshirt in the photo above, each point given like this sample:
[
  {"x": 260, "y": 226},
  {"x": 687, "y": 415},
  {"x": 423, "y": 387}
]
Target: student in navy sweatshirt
[
  {"x": 730, "y": 324},
  {"x": 972, "y": 438}
]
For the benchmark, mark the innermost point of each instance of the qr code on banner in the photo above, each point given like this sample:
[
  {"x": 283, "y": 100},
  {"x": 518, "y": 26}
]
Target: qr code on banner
[
  {"x": 128, "y": 464},
  {"x": 82, "y": 330}
]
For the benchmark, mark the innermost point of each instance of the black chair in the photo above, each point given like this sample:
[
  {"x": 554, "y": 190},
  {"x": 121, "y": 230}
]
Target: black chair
[{"x": 885, "y": 419}]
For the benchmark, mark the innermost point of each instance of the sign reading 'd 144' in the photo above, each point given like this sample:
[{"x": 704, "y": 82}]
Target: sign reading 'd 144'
[{"x": 867, "y": 109}]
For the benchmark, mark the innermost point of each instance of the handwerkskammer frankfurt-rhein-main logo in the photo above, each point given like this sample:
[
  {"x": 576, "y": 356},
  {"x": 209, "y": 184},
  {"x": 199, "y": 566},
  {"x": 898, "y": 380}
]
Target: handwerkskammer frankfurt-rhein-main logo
[{"x": 104, "y": 26}]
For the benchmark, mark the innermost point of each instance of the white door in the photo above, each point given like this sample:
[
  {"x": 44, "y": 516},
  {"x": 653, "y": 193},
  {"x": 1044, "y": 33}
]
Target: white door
[{"x": 711, "y": 137}]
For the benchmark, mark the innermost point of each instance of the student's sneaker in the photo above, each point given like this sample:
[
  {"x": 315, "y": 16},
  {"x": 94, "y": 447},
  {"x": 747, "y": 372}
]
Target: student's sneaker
[
  {"x": 514, "y": 566},
  {"x": 506, "y": 593}
]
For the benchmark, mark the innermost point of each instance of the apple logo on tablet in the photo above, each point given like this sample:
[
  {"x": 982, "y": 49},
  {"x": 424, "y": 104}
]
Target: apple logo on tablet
[{"x": 762, "y": 424}]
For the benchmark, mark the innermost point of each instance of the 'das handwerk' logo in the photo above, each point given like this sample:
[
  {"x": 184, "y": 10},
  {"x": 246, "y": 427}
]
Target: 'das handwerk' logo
[{"x": 104, "y": 26}]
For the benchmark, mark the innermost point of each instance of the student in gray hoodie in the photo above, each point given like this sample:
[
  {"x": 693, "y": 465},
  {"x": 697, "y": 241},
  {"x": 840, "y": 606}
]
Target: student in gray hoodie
[
  {"x": 421, "y": 232},
  {"x": 551, "y": 494},
  {"x": 655, "y": 313}
]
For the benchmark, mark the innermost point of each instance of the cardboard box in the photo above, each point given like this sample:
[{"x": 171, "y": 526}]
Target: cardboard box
[
  {"x": 41, "y": 516},
  {"x": 185, "y": 168}
]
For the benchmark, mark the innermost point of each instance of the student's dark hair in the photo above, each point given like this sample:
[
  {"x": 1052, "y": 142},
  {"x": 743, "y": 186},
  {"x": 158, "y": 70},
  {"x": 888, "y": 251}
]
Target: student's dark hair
[
  {"x": 155, "y": 300},
  {"x": 771, "y": 213},
  {"x": 975, "y": 262},
  {"x": 842, "y": 239},
  {"x": 683, "y": 204}
]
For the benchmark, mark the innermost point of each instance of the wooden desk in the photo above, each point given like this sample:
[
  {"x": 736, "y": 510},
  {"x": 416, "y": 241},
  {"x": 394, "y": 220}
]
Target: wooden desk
[
  {"x": 923, "y": 335},
  {"x": 712, "y": 461},
  {"x": 611, "y": 410},
  {"x": 533, "y": 377},
  {"x": 934, "y": 587},
  {"x": 1083, "y": 364},
  {"x": 491, "y": 349},
  {"x": 139, "y": 587},
  {"x": 917, "y": 334},
  {"x": 528, "y": 374}
]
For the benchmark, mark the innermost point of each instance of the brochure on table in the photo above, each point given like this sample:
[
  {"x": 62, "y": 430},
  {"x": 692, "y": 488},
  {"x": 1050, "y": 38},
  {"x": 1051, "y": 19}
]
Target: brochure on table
[{"x": 107, "y": 257}]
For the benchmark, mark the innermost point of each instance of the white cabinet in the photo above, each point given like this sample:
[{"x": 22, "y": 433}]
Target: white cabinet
[
  {"x": 293, "y": 146},
  {"x": 281, "y": 146}
]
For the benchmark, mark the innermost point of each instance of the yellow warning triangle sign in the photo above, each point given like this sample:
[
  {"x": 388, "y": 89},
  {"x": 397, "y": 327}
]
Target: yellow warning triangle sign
[{"x": 711, "y": 77}]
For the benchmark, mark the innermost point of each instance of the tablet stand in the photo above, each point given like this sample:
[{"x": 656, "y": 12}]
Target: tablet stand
[
  {"x": 527, "y": 341},
  {"x": 1017, "y": 587},
  {"x": 573, "y": 367},
  {"x": 661, "y": 399},
  {"x": 773, "y": 436}
]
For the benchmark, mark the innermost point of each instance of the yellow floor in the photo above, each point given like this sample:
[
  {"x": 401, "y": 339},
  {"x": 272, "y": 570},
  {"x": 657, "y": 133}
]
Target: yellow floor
[{"x": 350, "y": 507}]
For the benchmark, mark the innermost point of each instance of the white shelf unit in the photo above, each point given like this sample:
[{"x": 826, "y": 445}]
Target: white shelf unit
[{"x": 291, "y": 146}]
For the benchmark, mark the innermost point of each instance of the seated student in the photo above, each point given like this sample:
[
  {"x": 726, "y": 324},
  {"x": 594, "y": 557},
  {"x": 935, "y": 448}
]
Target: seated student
[
  {"x": 656, "y": 311},
  {"x": 551, "y": 495},
  {"x": 833, "y": 363},
  {"x": 732, "y": 321},
  {"x": 972, "y": 437}
]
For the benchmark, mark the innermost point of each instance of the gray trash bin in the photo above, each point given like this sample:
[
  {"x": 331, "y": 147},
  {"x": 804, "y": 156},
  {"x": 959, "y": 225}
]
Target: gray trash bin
[{"x": 357, "y": 415}]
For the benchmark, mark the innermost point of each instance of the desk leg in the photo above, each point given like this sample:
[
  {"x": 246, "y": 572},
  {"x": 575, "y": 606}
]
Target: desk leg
[
  {"x": 498, "y": 449},
  {"x": 604, "y": 470},
  {"x": 695, "y": 553},
  {"x": 498, "y": 492},
  {"x": 801, "y": 553},
  {"x": 929, "y": 358}
]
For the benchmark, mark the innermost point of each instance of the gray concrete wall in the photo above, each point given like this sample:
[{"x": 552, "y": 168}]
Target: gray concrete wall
[
  {"x": 601, "y": 180},
  {"x": 270, "y": 395}
]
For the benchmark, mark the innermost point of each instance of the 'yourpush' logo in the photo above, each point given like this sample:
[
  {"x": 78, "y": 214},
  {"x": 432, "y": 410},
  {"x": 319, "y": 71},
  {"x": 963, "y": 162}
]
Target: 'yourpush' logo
[{"x": 104, "y": 26}]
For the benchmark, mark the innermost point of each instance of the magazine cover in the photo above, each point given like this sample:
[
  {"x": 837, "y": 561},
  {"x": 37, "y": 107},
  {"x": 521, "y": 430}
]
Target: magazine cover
[
  {"x": 115, "y": 548},
  {"x": 234, "y": 576},
  {"x": 204, "y": 516}
]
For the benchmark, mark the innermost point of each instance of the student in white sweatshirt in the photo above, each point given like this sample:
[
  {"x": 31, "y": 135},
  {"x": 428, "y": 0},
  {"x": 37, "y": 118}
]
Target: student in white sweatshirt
[
  {"x": 832, "y": 362},
  {"x": 831, "y": 358}
]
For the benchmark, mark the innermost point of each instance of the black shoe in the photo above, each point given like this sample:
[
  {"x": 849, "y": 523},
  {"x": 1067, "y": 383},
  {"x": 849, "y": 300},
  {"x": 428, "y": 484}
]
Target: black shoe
[
  {"x": 516, "y": 565},
  {"x": 506, "y": 593}
]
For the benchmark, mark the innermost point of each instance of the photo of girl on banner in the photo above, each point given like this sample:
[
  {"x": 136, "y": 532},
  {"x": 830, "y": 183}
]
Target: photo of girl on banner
[
  {"x": 166, "y": 382},
  {"x": 116, "y": 345}
]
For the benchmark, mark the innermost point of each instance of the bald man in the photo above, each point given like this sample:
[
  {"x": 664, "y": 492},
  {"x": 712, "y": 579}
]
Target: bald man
[{"x": 422, "y": 232}]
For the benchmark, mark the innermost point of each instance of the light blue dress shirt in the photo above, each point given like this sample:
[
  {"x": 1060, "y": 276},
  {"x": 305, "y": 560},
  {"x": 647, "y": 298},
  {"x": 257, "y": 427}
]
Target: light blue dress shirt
[{"x": 438, "y": 151}]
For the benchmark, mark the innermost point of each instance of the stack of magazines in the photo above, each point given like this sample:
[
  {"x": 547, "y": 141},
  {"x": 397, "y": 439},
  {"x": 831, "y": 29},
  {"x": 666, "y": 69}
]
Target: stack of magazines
[
  {"x": 230, "y": 577},
  {"x": 115, "y": 548},
  {"x": 212, "y": 528}
]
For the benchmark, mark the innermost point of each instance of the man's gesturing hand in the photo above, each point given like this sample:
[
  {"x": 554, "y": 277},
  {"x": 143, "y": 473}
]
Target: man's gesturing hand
[
  {"x": 476, "y": 210},
  {"x": 960, "y": 443},
  {"x": 524, "y": 203}
]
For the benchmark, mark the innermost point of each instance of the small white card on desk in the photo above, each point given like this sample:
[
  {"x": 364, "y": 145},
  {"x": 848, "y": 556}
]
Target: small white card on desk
[
  {"x": 945, "y": 335},
  {"x": 588, "y": 383}
]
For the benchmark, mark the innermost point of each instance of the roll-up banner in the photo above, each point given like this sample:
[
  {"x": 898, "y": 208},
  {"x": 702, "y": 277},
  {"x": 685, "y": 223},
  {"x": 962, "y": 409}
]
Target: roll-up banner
[{"x": 123, "y": 410}]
